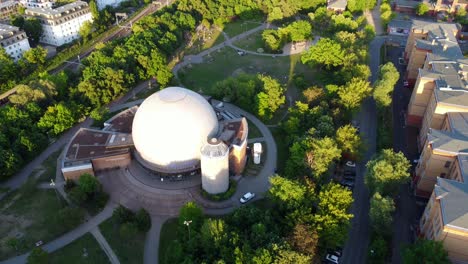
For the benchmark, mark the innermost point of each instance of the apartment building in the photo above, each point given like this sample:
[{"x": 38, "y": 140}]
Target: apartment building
[
  {"x": 14, "y": 41},
  {"x": 446, "y": 215},
  {"x": 439, "y": 108},
  {"x": 338, "y": 6},
  {"x": 37, "y": 3},
  {"x": 7, "y": 9},
  {"x": 441, "y": 154},
  {"x": 61, "y": 25},
  {"x": 449, "y": 6}
]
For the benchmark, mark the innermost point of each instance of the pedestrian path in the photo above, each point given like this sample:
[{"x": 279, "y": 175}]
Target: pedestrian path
[{"x": 104, "y": 245}]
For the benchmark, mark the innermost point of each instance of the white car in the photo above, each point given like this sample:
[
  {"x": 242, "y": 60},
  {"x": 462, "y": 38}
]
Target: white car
[
  {"x": 247, "y": 197},
  {"x": 351, "y": 164},
  {"x": 331, "y": 258}
]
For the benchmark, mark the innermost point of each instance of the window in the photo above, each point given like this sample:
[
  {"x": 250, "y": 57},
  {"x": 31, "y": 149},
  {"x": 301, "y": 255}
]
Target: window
[{"x": 447, "y": 164}]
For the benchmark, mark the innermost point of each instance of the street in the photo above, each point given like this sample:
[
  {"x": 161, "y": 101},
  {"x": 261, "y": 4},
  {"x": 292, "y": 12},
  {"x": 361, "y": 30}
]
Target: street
[{"x": 355, "y": 250}]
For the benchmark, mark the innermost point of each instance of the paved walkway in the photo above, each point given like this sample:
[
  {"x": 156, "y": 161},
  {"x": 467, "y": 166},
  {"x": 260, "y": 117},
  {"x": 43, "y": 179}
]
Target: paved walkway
[
  {"x": 152, "y": 239},
  {"x": 70, "y": 236},
  {"x": 373, "y": 18},
  {"x": 104, "y": 245}
]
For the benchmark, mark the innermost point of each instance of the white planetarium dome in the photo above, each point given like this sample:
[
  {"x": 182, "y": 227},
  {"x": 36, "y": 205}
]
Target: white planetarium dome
[{"x": 170, "y": 127}]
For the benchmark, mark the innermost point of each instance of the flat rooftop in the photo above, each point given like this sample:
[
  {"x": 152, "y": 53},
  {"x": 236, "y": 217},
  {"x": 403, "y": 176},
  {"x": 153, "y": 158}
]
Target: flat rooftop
[
  {"x": 121, "y": 122},
  {"x": 88, "y": 144}
]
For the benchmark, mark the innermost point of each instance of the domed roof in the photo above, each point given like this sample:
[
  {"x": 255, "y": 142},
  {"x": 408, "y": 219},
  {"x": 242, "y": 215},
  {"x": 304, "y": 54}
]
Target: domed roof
[{"x": 170, "y": 127}]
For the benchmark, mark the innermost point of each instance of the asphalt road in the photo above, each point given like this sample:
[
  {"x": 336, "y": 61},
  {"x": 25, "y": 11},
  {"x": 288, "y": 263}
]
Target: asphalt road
[{"x": 355, "y": 249}]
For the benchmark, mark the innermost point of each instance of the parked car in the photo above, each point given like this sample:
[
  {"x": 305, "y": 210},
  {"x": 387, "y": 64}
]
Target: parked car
[
  {"x": 247, "y": 197},
  {"x": 332, "y": 258},
  {"x": 240, "y": 52},
  {"x": 351, "y": 164},
  {"x": 347, "y": 183}
]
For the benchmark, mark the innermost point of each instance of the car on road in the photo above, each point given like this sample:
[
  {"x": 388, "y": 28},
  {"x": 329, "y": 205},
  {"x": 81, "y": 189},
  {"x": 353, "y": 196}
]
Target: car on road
[
  {"x": 240, "y": 52},
  {"x": 332, "y": 258},
  {"x": 247, "y": 197},
  {"x": 351, "y": 164}
]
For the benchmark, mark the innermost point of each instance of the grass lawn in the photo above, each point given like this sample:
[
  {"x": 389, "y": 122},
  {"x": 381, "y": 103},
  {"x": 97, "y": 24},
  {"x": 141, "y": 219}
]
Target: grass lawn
[
  {"x": 282, "y": 148},
  {"x": 127, "y": 250},
  {"x": 29, "y": 214},
  {"x": 252, "y": 42},
  {"x": 212, "y": 37},
  {"x": 237, "y": 27},
  {"x": 254, "y": 132},
  {"x": 226, "y": 62},
  {"x": 50, "y": 165},
  {"x": 73, "y": 253},
  {"x": 168, "y": 235}
]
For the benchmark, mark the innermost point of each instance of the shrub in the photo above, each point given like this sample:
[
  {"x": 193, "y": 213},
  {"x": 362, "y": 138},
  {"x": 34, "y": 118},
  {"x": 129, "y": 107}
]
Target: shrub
[
  {"x": 77, "y": 196},
  {"x": 143, "y": 220},
  {"x": 222, "y": 196},
  {"x": 123, "y": 214},
  {"x": 128, "y": 230}
]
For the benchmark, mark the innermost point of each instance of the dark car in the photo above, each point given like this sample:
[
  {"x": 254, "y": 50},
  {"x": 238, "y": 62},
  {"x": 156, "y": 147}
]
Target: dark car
[{"x": 347, "y": 183}]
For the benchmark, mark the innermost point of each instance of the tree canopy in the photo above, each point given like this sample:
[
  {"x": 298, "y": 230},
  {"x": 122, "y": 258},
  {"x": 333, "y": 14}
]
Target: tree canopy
[
  {"x": 386, "y": 172},
  {"x": 426, "y": 251},
  {"x": 326, "y": 52}
]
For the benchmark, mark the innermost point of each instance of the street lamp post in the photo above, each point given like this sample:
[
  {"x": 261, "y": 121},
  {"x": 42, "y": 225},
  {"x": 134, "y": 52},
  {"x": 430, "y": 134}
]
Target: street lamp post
[
  {"x": 52, "y": 184},
  {"x": 187, "y": 223}
]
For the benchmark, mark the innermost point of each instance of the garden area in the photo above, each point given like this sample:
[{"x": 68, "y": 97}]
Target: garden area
[
  {"x": 29, "y": 215},
  {"x": 125, "y": 232},
  {"x": 83, "y": 250},
  {"x": 225, "y": 63}
]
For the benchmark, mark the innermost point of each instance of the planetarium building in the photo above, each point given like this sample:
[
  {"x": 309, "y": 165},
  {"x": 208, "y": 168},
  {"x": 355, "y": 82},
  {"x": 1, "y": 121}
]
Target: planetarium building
[{"x": 173, "y": 132}]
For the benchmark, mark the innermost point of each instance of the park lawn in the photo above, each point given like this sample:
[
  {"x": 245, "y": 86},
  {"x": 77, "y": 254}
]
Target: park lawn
[
  {"x": 282, "y": 148},
  {"x": 254, "y": 132},
  {"x": 226, "y": 63},
  {"x": 212, "y": 38},
  {"x": 237, "y": 27},
  {"x": 49, "y": 165},
  {"x": 30, "y": 215},
  {"x": 73, "y": 253},
  {"x": 252, "y": 42},
  {"x": 168, "y": 235},
  {"x": 127, "y": 250}
]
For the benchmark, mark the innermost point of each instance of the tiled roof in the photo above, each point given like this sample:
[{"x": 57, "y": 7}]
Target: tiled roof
[{"x": 453, "y": 198}]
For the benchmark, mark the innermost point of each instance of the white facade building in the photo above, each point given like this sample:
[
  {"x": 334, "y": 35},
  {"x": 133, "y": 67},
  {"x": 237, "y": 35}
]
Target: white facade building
[
  {"x": 7, "y": 9},
  {"x": 215, "y": 166},
  {"x": 37, "y": 3},
  {"x": 14, "y": 41},
  {"x": 61, "y": 25}
]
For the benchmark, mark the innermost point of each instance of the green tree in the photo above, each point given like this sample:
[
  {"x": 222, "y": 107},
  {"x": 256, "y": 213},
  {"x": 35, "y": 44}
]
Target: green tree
[
  {"x": 123, "y": 214},
  {"x": 143, "y": 220},
  {"x": 386, "y": 172},
  {"x": 461, "y": 17},
  {"x": 326, "y": 52},
  {"x": 77, "y": 196},
  {"x": 25, "y": 94},
  {"x": 421, "y": 9},
  {"x": 321, "y": 155},
  {"x": 36, "y": 56},
  {"x": 270, "y": 98},
  {"x": 389, "y": 76},
  {"x": 33, "y": 29},
  {"x": 89, "y": 184},
  {"x": 38, "y": 256},
  {"x": 381, "y": 209},
  {"x": 353, "y": 93},
  {"x": 378, "y": 250},
  {"x": 190, "y": 212},
  {"x": 286, "y": 192},
  {"x": 304, "y": 239},
  {"x": 13, "y": 243},
  {"x": 426, "y": 251},
  {"x": 8, "y": 71},
  {"x": 298, "y": 31},
  {"x": 289, "y": 256},
  {"x": 86, "y": 30},
  {"x": 349, "y": 141},
  {"x": 57, "y": 119},
  {"x": 332, "y": 219},
  {"x": 94, "y": 10}
]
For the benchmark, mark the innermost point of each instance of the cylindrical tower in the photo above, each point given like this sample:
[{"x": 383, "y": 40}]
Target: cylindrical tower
[{"x": 215, "y": 166}]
